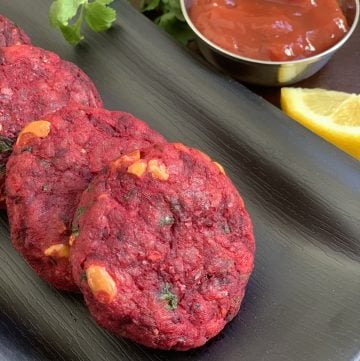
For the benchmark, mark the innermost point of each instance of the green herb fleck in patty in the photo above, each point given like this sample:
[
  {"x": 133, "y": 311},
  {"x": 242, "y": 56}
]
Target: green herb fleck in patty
[{"x": 168, "y": 296}]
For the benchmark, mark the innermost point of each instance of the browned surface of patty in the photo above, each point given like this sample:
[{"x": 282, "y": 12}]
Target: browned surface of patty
[
  {"x": 164, "y": 248},
  {"x": 47, "y": 173}
]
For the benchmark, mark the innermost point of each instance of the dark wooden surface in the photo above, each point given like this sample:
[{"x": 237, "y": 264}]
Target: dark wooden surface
[{"x": 303, "y": 300}]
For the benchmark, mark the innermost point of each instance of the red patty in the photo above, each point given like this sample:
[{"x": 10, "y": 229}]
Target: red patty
[
  {"x": 34, "y": 82},
  {"x": 11, "y": 34},
  {"x": 47, "y": 173},
  {"x": 165, "y": 247}
]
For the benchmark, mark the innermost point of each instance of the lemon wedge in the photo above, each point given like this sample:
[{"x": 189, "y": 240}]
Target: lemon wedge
[{"x": 333, "y": 115}]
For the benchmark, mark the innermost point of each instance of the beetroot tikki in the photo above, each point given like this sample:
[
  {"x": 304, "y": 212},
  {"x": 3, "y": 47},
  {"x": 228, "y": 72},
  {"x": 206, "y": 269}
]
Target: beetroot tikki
[
  {"x": 34, "y": 82},
  {"x": 11, "y": 34},
  {"x": 53, "y": 161},
  {"x": 164, "y": 247}
]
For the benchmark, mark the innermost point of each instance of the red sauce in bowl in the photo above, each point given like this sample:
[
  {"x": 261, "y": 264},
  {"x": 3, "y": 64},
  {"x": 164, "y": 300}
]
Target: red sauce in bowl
[{"x": 277, "y": 30}]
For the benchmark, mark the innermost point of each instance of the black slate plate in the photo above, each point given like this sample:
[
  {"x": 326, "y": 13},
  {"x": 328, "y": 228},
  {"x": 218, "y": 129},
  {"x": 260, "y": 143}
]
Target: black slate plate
[{"x": 303, "y": 301}]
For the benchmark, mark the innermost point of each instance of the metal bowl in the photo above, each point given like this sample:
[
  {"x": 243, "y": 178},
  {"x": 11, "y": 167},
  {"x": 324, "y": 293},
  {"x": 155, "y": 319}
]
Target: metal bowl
[{"x": 270, "y": 73}]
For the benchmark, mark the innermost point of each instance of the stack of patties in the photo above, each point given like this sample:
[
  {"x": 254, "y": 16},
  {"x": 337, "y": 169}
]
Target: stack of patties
[
  {"x": 154, "y": 234},
  {"x": 52, "y": 163}
]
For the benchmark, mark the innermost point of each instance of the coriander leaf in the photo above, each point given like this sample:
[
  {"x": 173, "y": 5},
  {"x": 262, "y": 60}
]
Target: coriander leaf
[
  {"x": 75, "y": 233},
  {"x": 176, "y": 9},
  {"x": 79, "y": 212},
  {"x": 61, "y": 11},
  {"x": 68, "y": 16},
  {"x": 71, "y": 33},
  {"x": 169, "y": 18},
  {"x": 165, "y": 19},
  {"x": 169, "y": 297},
  {"x": 150, "y": 5},
  {"x": 104, "y": 2},
  {"x": 5, "y": 144},
  {"x": 99, "y": 17},
  {"x": 182, "y": 33},
  {"x": 175, "y": 27}
]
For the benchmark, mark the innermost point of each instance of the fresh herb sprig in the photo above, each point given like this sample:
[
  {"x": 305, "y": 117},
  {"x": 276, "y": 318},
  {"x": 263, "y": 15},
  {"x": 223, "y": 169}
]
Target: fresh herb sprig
[
  {"x": 168, "y": 16},
  {"x": 69, "y": 15}
]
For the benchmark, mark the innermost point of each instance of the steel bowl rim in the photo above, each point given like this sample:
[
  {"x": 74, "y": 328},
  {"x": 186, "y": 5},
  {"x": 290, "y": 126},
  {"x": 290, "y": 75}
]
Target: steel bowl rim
[{"x": 236, "y": 57}]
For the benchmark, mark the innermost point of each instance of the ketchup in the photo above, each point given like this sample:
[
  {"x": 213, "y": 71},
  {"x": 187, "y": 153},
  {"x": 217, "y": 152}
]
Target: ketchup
[{"x": 277, "y": 30}]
